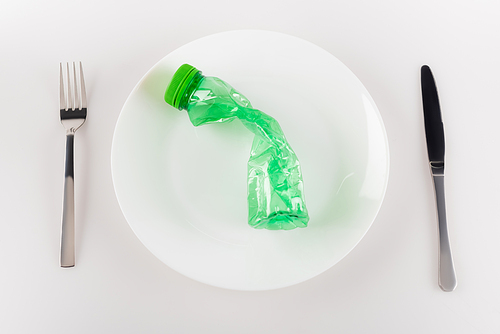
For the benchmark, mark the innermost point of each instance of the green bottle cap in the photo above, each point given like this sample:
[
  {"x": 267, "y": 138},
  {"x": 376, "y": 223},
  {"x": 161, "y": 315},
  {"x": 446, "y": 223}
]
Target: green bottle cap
[{"x": 180, "y": 81}]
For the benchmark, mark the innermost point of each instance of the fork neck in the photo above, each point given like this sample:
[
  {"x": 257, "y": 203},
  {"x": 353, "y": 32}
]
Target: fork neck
[{"x": 69, "y": 164}]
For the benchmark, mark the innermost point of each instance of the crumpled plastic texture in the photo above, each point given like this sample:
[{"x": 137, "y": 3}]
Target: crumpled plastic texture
[{"x": 275, "y": 186}]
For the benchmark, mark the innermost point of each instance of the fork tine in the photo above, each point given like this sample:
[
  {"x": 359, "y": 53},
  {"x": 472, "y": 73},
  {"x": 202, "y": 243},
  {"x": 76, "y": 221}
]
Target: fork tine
[
  {"x": 76, "y": 103},
  {"x": 62, "y": 96},
  {"x": 70, "y": 89},
  {"x": 82, "y": 88}
]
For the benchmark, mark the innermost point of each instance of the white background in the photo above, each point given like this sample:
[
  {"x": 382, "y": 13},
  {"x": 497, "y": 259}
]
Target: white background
[{"x": 387, "y": 284}]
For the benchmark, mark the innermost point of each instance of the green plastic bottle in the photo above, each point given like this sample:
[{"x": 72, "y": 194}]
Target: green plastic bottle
[{"x": 275, "y": 186}]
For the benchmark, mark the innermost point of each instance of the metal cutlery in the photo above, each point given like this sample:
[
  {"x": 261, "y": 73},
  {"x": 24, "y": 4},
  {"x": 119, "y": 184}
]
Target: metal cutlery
[
  {"x": 73, "y": 112},
  {"x": 434, "y": 133}
]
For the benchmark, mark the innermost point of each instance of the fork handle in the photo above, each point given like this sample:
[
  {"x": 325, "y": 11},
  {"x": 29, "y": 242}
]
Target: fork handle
[{"x": 68, "y": 217}]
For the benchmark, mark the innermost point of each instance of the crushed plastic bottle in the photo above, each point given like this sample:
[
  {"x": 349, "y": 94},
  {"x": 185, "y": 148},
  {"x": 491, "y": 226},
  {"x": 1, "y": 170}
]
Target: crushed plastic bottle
[{"x": 275, "y": 186}]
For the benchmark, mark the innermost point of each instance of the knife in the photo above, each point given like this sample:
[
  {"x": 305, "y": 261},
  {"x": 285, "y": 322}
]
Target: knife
[{"x": 434, "y": 134}]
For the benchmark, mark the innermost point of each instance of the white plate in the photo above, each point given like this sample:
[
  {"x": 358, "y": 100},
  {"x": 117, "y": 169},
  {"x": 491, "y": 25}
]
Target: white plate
[{"x": 183, "y": 189}]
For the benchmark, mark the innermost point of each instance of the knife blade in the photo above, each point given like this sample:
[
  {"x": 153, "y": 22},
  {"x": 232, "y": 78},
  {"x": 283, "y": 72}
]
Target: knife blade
[{"x": 434, "y": 135}]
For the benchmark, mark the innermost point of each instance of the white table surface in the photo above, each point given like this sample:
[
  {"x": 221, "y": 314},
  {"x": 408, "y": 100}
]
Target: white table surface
[{"x": 387, "y": 284}]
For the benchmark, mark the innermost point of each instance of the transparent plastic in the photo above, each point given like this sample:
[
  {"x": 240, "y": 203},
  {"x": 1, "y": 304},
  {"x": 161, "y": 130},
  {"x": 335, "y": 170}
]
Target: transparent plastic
[{"x": 275, "y": 186}]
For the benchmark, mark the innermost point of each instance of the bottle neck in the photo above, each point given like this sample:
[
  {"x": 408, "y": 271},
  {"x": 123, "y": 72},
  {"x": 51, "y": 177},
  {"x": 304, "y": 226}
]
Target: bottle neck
[{"x": 190, "y": 89}]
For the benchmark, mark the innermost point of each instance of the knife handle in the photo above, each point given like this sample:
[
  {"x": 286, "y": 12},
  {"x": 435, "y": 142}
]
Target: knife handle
[{"x": 447, "y": 276}]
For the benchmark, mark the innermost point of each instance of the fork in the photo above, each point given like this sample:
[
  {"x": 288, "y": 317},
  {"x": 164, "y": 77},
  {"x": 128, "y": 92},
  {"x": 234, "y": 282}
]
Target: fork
[{"x": 73, "y": 111}]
